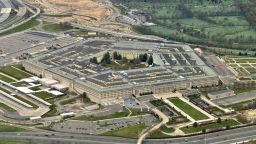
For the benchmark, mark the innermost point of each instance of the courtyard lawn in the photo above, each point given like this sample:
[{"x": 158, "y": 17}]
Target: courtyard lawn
[
  {"x": 212, "y": 126},
  {"x": 192, "y": 112},
  {"x": 14, "y": 72},
  {"x": 132, "y": 132},
  {"x": 43, "y": 95},
  {"x": 6, "y": 79}
]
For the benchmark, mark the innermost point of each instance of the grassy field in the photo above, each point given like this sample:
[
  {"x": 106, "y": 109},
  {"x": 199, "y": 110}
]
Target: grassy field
[
  {"x": 212, "y": 126},
  {"x": 200, "y": 22},
  {"x": 52, "y": 27},
  {"x": 192, "y": 112},
  {"x": 14, "y": 72},
  {"x": 127, "y": 132}
]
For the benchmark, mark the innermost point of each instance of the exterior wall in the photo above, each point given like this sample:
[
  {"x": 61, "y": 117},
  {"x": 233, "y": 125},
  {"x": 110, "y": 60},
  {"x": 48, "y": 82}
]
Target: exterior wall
[{"x": 37, "y": 70}]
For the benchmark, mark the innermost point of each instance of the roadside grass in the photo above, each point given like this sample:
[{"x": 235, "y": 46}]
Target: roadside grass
[
  {"x": 195, "y": 114},
  {"x": 30, "y": 24},
  {"x": 8, "y": 128},
  {"x": 132, "y": 132},
  {"x": 212, "y": 126},
  {"x": 6, "y": 79},
  {"x": 15, "y": 142},
  {"x": 6, "y": 108},
  {"x": 158, "y": 133},
  {"x": 14, "y": 72}
]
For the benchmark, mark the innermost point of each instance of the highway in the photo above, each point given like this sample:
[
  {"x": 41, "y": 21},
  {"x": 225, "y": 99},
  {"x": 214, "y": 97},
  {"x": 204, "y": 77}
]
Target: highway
[{"x": 223, "y": 137}]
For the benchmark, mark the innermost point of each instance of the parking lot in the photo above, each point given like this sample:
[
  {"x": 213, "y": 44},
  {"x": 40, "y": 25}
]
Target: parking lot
[{"x": 101, "y": 126}]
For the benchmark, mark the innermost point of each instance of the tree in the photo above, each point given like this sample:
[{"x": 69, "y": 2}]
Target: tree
[
  {"x": 150, "y": 60},
  {"x": 106, "y": 58},
  {"x": 117, "y": 56},
  {"x": 143, "y": 57},
  {"x": 219, "y": 120},
  {"x": 94, "y": 60},
  {"x": 195, "y": 124}
]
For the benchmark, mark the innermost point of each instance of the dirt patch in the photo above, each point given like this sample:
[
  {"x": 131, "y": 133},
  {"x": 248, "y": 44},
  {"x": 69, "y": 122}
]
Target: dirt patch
[{"x": 90, "y": 10}]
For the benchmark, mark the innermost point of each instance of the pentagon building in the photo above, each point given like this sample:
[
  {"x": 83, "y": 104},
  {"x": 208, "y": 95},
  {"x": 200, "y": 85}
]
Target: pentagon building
[{"x": 175, "y": 67}]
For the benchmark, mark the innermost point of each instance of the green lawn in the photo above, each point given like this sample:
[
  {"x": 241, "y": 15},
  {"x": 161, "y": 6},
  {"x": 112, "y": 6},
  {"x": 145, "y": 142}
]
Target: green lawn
[
  {"x": 6, "y": 107},
  {"x": 14, "y": 72},
  {"x": 56, "y": 28},
  {"x": 124, "y": 113},
  {"x": 53, "y": 111},
  {"x": 212, "y": 126},
  {"x": 37, "y": 88},
  {"x": 158, "y": 133},
  {"x": 9, "y": 128},
  {"x": 43, "y": 95},
  {"x": 192, "y": 112},
  {"x": 132, "y": 132},
  {"x": 6, "y": 79}
]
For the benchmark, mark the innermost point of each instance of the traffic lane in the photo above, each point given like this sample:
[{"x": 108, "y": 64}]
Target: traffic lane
[
  {"x": 56, "y": 136},
  {"x": 217, "y": 137}
]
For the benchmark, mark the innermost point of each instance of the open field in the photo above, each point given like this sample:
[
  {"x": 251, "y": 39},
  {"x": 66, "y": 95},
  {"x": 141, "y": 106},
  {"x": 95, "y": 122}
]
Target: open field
[
  {"x": 225, "y": 24},
  {"x": 195, "y": 114},
  {"x": 223, "y": 124}
]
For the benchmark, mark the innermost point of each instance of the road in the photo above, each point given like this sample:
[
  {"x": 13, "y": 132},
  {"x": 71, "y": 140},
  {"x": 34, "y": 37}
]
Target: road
[{"x": 223, "y": 137}]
